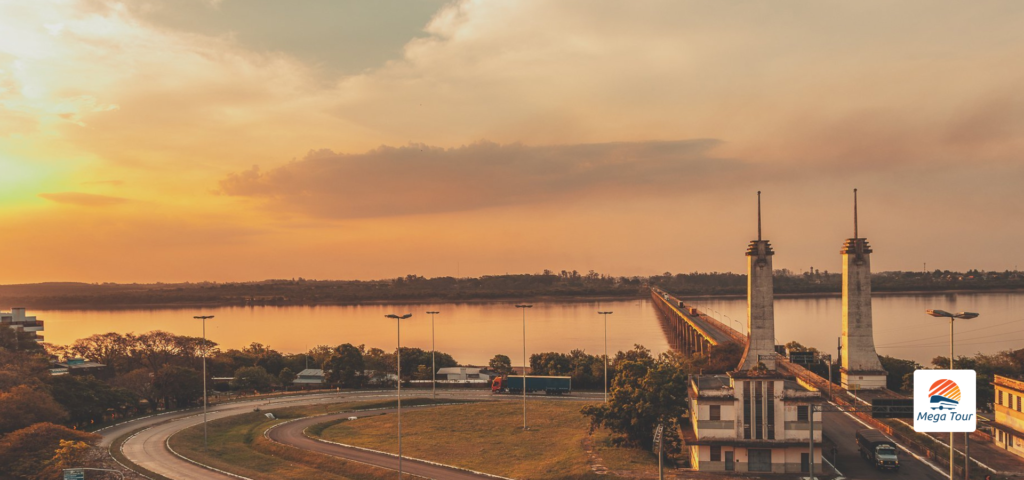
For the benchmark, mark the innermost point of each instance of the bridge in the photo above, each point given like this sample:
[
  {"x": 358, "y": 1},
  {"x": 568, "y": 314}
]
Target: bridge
[{"x": 692, "y": 331}]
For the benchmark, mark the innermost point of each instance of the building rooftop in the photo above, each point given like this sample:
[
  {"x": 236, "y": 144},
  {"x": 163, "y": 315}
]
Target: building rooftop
[
  {"x": 713, "y": 382},
  {"x": 311, "y": 372}
]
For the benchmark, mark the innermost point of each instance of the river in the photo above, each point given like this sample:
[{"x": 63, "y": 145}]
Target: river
[{"x": 475, "y": 332}]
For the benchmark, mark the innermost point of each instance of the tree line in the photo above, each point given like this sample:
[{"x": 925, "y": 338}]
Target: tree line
[{"x": 560, "y": 284}]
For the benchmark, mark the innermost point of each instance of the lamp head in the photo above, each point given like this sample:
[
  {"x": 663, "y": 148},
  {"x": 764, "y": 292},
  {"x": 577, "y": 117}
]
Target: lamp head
[
  {"x": 939, "y": 313},
  {"x": 966, "y": 315},
  {"x": 433, "y": 313},
  {"x": 604, "y": 313},
  {"x": 524, "y": 306},
  {"x": 396, "y": 317}
]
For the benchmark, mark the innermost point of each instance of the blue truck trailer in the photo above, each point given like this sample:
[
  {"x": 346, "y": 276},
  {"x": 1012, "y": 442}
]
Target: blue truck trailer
[{"x": 548, "y": 385}]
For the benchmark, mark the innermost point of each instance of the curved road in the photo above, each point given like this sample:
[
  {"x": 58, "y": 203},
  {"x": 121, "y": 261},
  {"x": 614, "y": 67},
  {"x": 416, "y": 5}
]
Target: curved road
[{"x": 149, "y": 449}]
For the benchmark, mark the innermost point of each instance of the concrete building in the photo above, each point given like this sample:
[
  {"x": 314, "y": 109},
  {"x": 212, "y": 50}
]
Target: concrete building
[
  {"x": 1008, "y": 427},
  {"x": 861, "y": 369},
  {"x": 309, "y": 376},
  {"x": 754, "y": 419},
  {"x": 463, "y": 374},
  {"x": 81, "y": 366},
  {"x": 27, "y": 326}
]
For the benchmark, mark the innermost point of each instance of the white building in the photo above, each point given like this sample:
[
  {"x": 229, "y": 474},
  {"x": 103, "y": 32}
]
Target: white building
[
  {"x": 17, "y": 320},
  {"x": 747, "y": 422},
  {"x": 465, "y": 374}
]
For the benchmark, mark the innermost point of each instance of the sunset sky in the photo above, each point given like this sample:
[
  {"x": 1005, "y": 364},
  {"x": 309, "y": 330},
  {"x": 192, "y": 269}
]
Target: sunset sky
[{"x": 187, "y": 140}]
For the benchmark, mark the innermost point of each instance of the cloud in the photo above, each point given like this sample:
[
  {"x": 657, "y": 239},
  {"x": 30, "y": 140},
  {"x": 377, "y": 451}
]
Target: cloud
[
  {"x": 417, "y": 179},
  {"x": 83, "y": 199}
]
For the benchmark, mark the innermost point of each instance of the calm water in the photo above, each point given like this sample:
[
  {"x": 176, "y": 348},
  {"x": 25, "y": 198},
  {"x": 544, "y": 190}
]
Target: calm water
[
  {"x": 473, "y": 333},
  {"x": 901, "y": 327}
]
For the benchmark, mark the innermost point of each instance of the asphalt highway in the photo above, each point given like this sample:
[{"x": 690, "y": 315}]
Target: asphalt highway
[
  {"x": 149, "y": 449},
  {"x": 842, "y": 428}
]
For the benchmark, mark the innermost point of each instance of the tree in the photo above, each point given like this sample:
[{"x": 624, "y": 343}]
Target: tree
[
  {"x": 320, "y": 354},
  {"x": 87, "y": 400},
  {"x": 500, "y": 364},
  {"x": 70, "y": 453},
  {"x": 645, "y": 392},
  {"x": 181, "y": 384},
  {"x": 286, "y": 377},
  {"x": 111, "y": 349},
  {"x": 898, "y": 369},
  {"x": 345, "y": 367},
  {"x": 24, "y": 405},
  {"x": 380, "y": 363},
  {"x": 252, "y": 378},
  {"x": 22, "y": 368},
  {"x": 140, "y": 383},
  {"x": 25, "y": 452}
]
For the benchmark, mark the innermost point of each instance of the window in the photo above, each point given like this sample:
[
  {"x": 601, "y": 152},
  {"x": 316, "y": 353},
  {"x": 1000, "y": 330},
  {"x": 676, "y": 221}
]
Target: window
[
  {"x": 716, "y": 412},
  {"x": 999, "y": 398},
  {"x": 770, "y": 411},
  {"x": 758, "y": 410},
  {"x": 716, "y": 453},
  {"x": 1018, "y": 403},
  {"x": 801, "y": 413},
  {"x": 746, "y": 409}
]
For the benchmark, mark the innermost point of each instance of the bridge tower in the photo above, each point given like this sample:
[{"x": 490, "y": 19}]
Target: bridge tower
[
  {"x": 760, "y": 302},
  {"x": 861, "y": 369}
]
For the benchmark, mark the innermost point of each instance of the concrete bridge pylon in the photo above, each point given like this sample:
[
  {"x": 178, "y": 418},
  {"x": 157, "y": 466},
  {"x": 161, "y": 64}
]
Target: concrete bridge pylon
[{"x": 861, "y": 369}]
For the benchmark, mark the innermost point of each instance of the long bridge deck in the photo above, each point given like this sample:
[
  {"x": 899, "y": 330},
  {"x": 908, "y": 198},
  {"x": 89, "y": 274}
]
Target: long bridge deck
[{"x": 694, "y": 332}]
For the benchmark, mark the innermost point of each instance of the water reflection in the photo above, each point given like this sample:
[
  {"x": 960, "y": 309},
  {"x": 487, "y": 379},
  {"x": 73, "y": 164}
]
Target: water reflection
[
  {"x": 471, "y": 332},
  {"x": 474, "y": 332}
]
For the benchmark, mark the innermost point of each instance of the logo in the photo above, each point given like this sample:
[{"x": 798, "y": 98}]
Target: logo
[
  {"x": 945, "y": 401},
  {"x": 944, "y": 394}
]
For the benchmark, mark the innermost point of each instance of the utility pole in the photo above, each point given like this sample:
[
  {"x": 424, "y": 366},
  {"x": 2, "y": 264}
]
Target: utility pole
[
  {"x": 433, "y": 364},
  {"x": 605, "y": 315},
  {"x": 204, "y": 318},
  {"x": 524, "y": 307},
  {"x": 398, "y": 368}
]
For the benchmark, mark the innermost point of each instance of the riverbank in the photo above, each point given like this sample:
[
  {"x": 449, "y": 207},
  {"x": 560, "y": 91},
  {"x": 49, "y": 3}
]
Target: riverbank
[
  {"x": 44, "y": 305},
  {"x": 58, "y": 304}
]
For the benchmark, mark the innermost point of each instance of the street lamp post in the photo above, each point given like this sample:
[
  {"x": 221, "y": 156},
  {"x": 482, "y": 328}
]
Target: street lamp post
[
  {"x": 951, "y": 317},
  {"x": 204, "y": 318},
  {"x": 433, "y": 363},
  {"x": 524, "y": 307},
  {"x": 398, "y": 368},
  {"x": 605, "y": 314}
]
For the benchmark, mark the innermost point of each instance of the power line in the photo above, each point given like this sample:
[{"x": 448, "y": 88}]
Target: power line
[
  {"x": 947, "y": 336},
  {"x": 935, "y": 345}
]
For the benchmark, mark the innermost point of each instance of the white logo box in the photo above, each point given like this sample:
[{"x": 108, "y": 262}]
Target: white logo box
[{"x": 947, "y": 412}]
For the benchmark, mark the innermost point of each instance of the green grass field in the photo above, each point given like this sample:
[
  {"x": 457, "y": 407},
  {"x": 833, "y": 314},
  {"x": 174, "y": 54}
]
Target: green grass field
[
  {"x": 237, "y": 445},
  {"x": 488, "y": 437}
]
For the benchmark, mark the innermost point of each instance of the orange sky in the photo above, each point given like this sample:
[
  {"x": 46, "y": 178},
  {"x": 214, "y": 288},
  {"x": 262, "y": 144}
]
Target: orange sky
[{"x": 160, "y": 140}]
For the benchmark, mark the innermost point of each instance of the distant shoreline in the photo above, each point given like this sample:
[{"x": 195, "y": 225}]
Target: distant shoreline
[
  {"x": 907, "y": 293},
  {"x": 420, "y": 301}
]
